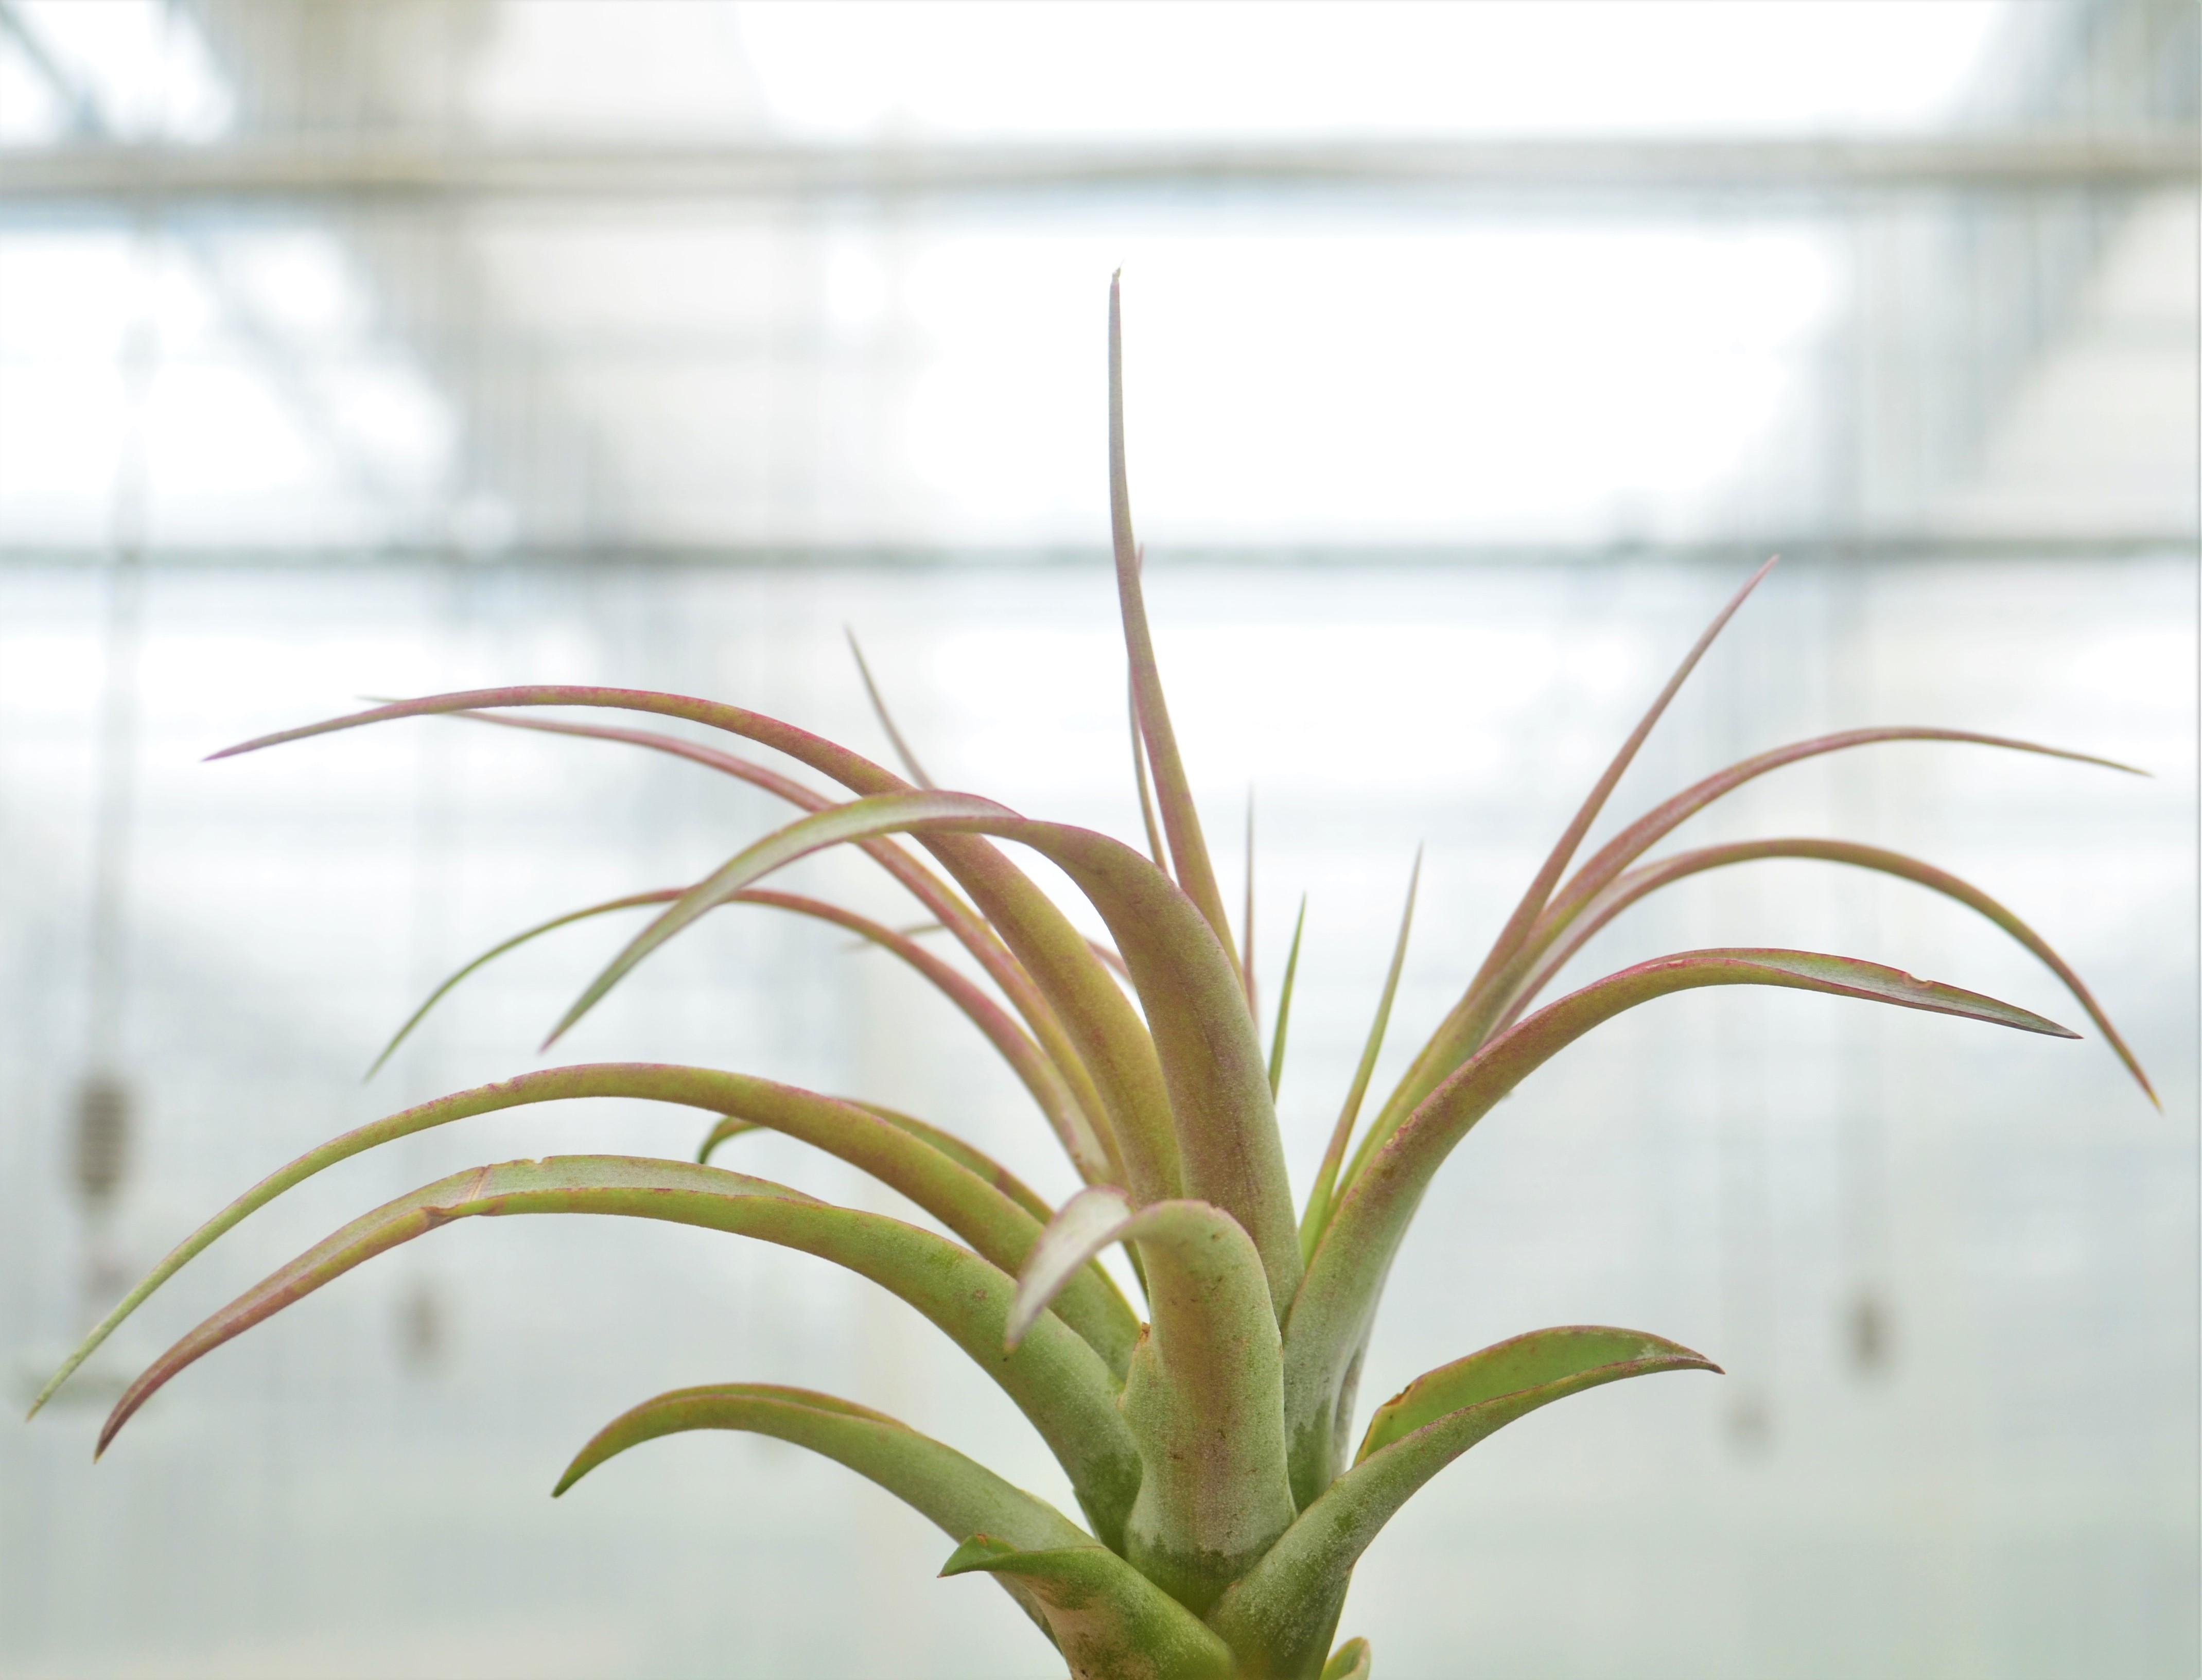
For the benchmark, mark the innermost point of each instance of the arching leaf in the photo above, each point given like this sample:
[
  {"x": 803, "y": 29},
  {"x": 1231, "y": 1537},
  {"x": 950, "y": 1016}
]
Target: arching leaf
[
  {"x": 1528, "y": 1361},
  {"x": 1470, "y": 1022},
  {"x": 1108, "y": 1043},
  {"x": 958, "y": 1197},
  {"x": 960, "y": 1496},
  {"x": 1337, "y": 1301},
  {"x": 1057, "y": 1381},
  {"x": 1625, "y": 890},
  {"x": 1285, "y": 1611},
  {"x": 1563, "y": 850},
  {"x": 1222, "y": 1135},
  {"x": 954, "y": 1147}
]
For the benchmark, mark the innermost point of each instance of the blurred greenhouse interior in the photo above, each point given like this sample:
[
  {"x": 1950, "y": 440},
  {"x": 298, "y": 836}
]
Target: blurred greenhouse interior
[{"x": 1474, "y": 354}]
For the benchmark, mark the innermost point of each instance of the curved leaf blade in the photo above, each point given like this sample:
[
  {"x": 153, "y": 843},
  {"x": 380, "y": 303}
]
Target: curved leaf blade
[
  {"x": 841, "y": 1129},
  {"x": 962, "y": 1496},
  {"x": 1285, "y": 1002},
  {"x": 1104, "y": 1052},
  {"x": 1337, "y": 1301},
  {"x": 1202, "y": 1394},
  {"x": 1528, "y": 1361},
  {"x": 632, "y": 901},
  {"x": 1469, "y": 1024},
  {"x": 1284, "y": 1612},
  {"x": 1317, "y": 1214},
  {"x": 1196, "y": 873},
  {"x": 1221, "y": 1135},
  {"x": 867, "y": 818},
  {"x": 1350, "y": 1661},
  {"x": 1054, "y": 1377},
  {"x": 1110, "y": 1622},
  {"x": 1637, "y": 883},
  {"x": 886, "y": 718},
  {"x": 1548, "y": 873},
  {"x": 1086, "y": 1226}
]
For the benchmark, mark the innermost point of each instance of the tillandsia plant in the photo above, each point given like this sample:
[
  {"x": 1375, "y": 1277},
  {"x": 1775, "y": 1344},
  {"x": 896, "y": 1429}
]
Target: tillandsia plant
[{"x": 1208, "y": 1433}]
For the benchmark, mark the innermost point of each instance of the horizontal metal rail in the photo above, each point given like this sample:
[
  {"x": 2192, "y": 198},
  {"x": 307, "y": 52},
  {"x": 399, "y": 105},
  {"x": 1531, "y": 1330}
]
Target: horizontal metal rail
[
  {"x": 412, "y": 168},
  {"x": 1895, "y": 548}
]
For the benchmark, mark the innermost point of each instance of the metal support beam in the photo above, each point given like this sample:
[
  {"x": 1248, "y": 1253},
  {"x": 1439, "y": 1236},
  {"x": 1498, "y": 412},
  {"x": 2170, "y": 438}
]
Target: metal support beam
[
  {"x": 1889, "y": 548},
  {"x": 404, "y": 169}
]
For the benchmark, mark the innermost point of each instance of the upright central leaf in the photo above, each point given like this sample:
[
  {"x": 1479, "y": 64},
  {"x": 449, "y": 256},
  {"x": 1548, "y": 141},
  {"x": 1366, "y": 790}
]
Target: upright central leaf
[{"x": 1204, "y": 1395}]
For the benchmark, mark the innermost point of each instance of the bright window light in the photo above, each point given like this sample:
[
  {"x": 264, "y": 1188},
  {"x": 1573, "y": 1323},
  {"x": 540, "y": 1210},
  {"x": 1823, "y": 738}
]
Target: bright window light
[
  {"x": 1597, "y": 66},
  {"x": 144, "y": 66}
]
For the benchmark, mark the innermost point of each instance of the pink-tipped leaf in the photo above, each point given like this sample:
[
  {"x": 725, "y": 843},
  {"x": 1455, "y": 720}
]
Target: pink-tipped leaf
[
  {"x": 1196, "y": 874},
  {"x": 1279, "y": 1618},
  {"x": 1056, "y": 1379},
  {"x": 1637, "y": 883},
  {"x": 1337, "y": 1302}
]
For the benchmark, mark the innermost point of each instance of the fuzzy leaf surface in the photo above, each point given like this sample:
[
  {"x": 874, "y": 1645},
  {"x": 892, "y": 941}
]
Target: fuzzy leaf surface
[
  {"x": 1338, "y": 1302},
  {"x": 1109, "y": 1046},
  {"x": 1637, "y": 883},
  {"x": 1055, "y": 1378},
  {"x": 970, "y": 1158},
  {"x": 1110, "y": 1622},
  {"x": 1471, "y": 1020},
  {"x": 960, "y": 1496},
  {"x": 1196, "y": 873},
  {"x": 962, "y": 1197},
  {"x": 1279, "y": 1620},
  {"x": 1202, "y": 1396},
  {"x": 1521, "y": 1362},
  {"x": 1223, "y": 1140}
]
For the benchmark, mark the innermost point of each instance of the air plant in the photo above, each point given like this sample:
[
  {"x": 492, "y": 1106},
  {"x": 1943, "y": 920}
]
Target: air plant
[{"x": 1208, "y": 1433}]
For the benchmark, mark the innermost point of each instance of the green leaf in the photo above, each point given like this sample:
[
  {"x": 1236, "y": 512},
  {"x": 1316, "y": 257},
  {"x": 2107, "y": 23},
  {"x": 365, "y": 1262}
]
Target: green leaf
[
  {"x": 1470, "y": 1022},
  {"x": 954, "y": 1147},
  {"x": 1155, "y": 848},
  {"x": 1091, "y": 1152},
  {"x": 1105, "y": 1054},
  {"x": 1201, "y": 1394},
  {"x": 886, "y": 720},
  {"x": 1032, "y": 1066},
  {"x": 1285, "y": 1002},
  {"x": 633, "y": 900},
  {"x": 1625, "y": 890},
  {"x": 962, "y": 1497},
  {"x": 1548, "y": 873},
  {"x": 1246, "y": 946},
  {"x": 1349, "y": 1662},
  {"x": 1173, "y": 791},
  {"x": 1337, "y": 1303},
  {"x": 1280, "y": 1619},
  {"x": 1034, "y": 1070},
  {"x": 866, "y": 819},
  {"x": 1088, "y": 1224},
  {"x": 1221, "y": 1133},
  {"x": 1528, "y": 1361},
  {"x": 1317, "y": 1215},
  {"x": 1110, "y": 1621},
  {"x": 964, "y": 1200},
  {"x": 1057, "y": 1380}
]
